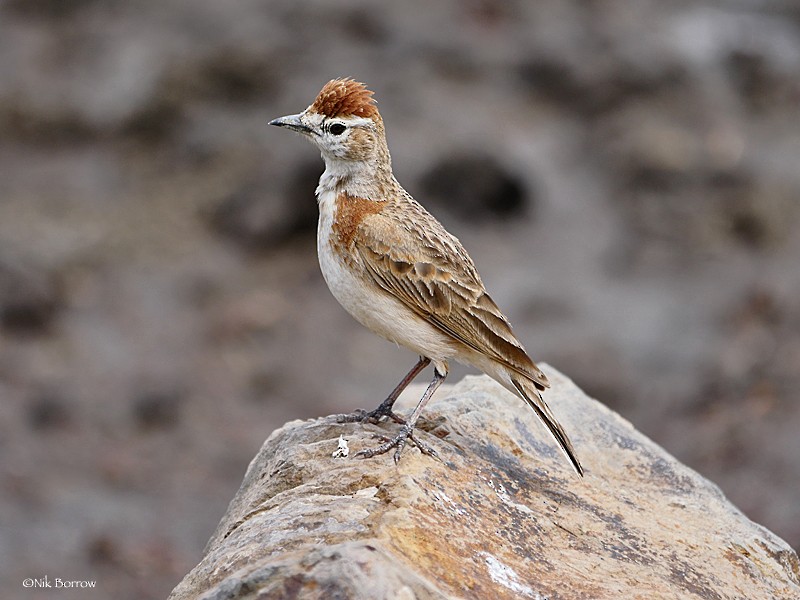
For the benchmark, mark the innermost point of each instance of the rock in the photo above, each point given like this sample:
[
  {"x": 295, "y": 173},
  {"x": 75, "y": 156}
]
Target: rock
[
  {"x": 225, "y": 75},
  {"x": 257, "y": 220},
  {"x": 48, "y": 9},
  {"x": 762, "y": 79},
  {"x": 30, "y": 298},
  {"x": 502, "y": 517},
  {"x": 475, "y": 186},
  {"x": 593, "y": 86},
  {"x": 48, "y": 410},
  {"x": 157, "y": 409}
]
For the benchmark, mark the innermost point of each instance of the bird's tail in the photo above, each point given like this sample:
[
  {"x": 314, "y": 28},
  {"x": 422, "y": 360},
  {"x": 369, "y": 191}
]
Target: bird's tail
[{"x": 534, "y": 399}]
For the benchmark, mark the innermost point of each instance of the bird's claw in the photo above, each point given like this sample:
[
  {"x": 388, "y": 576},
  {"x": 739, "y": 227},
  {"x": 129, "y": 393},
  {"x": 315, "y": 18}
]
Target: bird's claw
[
  {"x": 356, "y": 417},
  {"x": 373, "y": 416},
  {"x": 398, "y": 442},
  {"x": 424, "y": 448}
]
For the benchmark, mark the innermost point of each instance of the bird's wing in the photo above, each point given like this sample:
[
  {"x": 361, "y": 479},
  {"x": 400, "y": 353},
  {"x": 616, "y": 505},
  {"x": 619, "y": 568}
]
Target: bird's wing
[{"x": 429, "y": 271}]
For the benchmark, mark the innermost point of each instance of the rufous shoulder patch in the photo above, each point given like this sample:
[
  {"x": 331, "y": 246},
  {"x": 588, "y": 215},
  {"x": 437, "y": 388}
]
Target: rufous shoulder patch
[
  {"x": 350, "y": 212},
  {"x": 345, "y": 98}
]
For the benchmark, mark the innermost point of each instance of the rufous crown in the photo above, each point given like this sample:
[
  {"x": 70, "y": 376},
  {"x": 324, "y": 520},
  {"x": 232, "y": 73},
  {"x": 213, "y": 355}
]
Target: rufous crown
[{"x": 345, "y": 98}]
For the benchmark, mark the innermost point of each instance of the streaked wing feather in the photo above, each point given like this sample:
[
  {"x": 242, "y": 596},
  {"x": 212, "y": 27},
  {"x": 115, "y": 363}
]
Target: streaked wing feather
[{"x": 438, "y": 281}]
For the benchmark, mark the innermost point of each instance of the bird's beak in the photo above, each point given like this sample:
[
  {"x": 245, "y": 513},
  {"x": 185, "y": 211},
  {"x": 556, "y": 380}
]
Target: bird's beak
[{"x": 292, "y": 122}]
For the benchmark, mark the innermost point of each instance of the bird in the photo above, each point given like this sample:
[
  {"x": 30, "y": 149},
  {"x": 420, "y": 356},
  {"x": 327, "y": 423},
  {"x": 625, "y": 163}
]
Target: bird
[{"x": 399, "y": 272}]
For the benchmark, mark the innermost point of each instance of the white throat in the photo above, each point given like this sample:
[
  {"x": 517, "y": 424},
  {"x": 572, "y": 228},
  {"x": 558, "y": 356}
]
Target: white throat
[
  {"x": 336, "y": 175},
  {"x": 356, "y": 178}
]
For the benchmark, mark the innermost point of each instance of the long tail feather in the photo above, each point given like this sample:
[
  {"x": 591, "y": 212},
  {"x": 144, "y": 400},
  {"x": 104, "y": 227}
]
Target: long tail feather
[{"x": 537, "y": 403}]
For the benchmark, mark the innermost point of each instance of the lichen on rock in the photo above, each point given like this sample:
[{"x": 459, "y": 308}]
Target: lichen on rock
[{"x": 502, "y": 516}]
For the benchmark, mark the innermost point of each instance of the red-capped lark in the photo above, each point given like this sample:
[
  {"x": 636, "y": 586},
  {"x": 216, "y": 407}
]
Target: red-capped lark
[{"x": 398, "y": 272}]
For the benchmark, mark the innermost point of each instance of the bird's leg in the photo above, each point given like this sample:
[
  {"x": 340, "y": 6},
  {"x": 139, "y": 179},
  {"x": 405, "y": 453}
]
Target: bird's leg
[
  {"x": 399, "y": 441},
  {"x": 385, "y": 408}
]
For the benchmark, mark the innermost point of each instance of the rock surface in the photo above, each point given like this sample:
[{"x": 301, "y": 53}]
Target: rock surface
[{"x": 503, "y": 516}]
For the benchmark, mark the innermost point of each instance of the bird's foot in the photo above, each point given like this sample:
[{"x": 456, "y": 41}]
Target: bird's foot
[
  {"x": 398, "y": 442},
  {"x": 373, "y": 416}
]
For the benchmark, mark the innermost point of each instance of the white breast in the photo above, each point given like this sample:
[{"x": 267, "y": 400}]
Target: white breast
[{"x": 345, "y": 286}]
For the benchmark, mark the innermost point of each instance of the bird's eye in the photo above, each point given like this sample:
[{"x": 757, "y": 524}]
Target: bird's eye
[{"x": 337, "y": 129}]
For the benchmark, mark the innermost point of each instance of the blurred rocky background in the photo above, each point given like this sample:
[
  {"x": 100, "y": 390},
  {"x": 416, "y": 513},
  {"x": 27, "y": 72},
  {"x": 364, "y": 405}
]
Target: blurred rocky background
[{"x": 625, "y": 175}]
